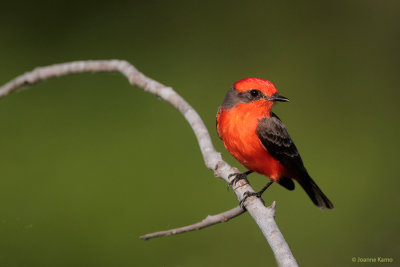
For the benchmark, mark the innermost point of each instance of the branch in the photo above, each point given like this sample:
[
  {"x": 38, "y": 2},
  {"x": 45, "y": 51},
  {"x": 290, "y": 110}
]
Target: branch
[
  {"x": 263, "y": 216},
  {"x": 208, "y": 221}
]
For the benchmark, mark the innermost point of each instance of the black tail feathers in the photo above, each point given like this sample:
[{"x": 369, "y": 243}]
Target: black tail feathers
[{"x": 315, "y": 193}]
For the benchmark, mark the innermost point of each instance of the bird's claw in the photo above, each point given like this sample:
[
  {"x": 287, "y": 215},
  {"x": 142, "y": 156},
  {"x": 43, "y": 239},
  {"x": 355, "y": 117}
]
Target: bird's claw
[
  {"x": 238, "y": 176},
  {"x": 248, "y": 194}
]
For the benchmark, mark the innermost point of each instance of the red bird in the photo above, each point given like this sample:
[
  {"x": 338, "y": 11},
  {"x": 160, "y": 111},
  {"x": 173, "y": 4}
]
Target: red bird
[{"x": 258, "y": 139}]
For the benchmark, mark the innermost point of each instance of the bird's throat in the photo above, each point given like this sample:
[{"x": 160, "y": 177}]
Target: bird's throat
[{"x": 257, "y": 110}]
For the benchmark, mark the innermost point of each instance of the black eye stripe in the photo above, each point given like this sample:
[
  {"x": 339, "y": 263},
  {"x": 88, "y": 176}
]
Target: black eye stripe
[{"x": 233, "y": 97}]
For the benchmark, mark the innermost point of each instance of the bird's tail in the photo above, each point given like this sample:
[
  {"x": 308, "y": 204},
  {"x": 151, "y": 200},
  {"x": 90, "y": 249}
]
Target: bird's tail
[{"x": 315, "y": 193}]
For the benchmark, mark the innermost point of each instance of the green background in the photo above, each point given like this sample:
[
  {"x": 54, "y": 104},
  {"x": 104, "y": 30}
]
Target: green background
[{"x": 89, "y": 163}]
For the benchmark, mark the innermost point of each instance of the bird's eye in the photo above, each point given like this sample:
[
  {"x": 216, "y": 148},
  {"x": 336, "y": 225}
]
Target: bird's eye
[{"x": 254, "y": 92}]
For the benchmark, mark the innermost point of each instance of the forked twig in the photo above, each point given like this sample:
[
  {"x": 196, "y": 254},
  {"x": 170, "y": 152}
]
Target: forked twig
[{"x": 208, "y": 221}]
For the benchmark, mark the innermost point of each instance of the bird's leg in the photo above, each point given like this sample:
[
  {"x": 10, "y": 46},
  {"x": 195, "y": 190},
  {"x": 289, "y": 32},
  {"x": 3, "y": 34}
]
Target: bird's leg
[
  {"x": 238, "y": 176},
  {"x": 258, "y": 194}
]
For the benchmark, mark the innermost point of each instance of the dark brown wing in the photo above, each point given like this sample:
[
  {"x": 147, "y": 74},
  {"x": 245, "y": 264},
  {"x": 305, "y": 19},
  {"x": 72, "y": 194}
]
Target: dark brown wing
[{"x": 275, "y": 138}]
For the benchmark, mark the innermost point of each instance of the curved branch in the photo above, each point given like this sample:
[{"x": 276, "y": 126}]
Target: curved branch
[
  {"x": 208, "y": 221},
  {"x": 263, "y": 216}
]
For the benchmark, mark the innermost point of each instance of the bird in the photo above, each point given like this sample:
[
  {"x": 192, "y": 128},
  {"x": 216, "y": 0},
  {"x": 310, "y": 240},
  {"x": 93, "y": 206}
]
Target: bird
[{"x": 259, "y": 140}]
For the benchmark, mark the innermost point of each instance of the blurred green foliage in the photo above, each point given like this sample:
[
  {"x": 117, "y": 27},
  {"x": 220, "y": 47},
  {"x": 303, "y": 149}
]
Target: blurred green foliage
[{"x": 89, "y": 163}]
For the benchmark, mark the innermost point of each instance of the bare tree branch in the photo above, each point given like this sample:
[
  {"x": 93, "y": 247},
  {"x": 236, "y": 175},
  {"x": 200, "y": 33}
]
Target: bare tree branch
[
  {"x": 208, "y": 221},
  {"x": 263, "y": 216}
]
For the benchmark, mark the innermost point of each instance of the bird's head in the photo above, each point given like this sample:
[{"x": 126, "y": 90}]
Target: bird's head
[{"x": 250, "y": 90}]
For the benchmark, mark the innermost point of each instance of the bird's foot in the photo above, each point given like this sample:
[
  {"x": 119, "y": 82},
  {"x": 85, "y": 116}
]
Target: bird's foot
[
  {"x": 248, "y": 194},
  {"x": 238, "y": 176}
]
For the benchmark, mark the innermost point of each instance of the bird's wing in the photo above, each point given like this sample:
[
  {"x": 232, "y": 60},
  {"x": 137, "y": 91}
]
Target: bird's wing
[{"x": 275, "y": 138}]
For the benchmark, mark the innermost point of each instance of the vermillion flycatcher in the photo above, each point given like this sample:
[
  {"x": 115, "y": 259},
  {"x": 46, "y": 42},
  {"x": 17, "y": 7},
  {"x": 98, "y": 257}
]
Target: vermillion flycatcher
[{"x": 258, "y": 139}]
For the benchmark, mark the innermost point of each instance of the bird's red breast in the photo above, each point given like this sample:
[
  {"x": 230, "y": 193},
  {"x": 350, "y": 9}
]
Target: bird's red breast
[{"x": 237, "y": 128}]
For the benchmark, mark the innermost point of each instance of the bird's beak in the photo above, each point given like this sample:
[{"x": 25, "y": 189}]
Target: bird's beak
[{"x": 278, "y": 97}]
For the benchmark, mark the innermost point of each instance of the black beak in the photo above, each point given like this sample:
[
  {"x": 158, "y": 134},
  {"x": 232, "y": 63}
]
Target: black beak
[{"x": 278, "y": 97}]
